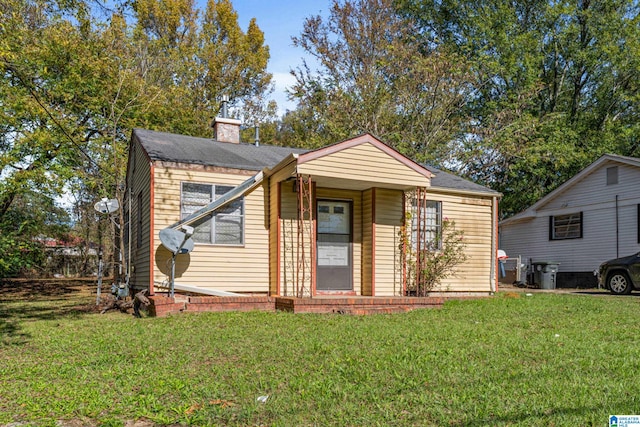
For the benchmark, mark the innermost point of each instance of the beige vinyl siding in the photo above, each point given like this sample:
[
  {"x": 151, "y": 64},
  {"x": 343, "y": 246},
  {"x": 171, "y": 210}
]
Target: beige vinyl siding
[
  {"x": 236, "y": 268},
  {"x": 472, "y": 215},
  {"x": 367, "y": 241},
  {"x": 357, "y": 163},
  {"x": 139, "y": 179},
  {"x": 356, "y": 198},
  {"x": 388, "y": 222}
]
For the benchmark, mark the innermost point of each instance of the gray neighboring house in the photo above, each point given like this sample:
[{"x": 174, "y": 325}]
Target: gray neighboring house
[{"x": 592, "y": 217}]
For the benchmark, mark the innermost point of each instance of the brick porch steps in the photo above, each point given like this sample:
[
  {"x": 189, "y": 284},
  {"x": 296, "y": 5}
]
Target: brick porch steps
[
  {"x": 162, "y": 305},
  {"x": 356, "y": 305}
]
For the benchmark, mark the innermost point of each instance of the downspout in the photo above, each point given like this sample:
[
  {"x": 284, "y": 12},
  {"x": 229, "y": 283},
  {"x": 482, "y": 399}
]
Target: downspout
[
  {"x": 617, "y": 231},
  {"x": 494, "y": 246}
]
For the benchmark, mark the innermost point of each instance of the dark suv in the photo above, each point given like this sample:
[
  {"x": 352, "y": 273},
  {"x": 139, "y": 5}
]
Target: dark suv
[{"x": 620, "y": 275}]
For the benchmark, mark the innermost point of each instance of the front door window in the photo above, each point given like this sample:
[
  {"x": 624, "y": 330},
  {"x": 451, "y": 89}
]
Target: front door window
[{"x": 334, "y": 246}]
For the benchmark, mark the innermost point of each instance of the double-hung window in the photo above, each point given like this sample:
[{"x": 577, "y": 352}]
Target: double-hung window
[
  {"x": 426, "y": 224},
  {"x": 222, "y": 227},
  {"x": 563, "y": 227}
]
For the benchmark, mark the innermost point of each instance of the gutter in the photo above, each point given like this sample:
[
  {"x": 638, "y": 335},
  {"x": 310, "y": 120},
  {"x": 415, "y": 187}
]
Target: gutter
[{"x": 463, "y": 192}]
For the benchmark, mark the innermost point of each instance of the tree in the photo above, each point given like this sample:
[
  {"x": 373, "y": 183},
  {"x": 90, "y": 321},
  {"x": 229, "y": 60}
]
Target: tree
[
  {"x": 373, "y": 77},
  {"x": 31, "y": 215},
  {"x": 234, "y": 62},
  {"x": 72, "y": 86},
  {"x": 555, "y": 86},
  {"x": 42, "y": 101}
]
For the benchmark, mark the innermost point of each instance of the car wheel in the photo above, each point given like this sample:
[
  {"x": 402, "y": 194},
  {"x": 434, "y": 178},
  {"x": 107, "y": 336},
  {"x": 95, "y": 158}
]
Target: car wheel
[{"x": 619, "y": 283}]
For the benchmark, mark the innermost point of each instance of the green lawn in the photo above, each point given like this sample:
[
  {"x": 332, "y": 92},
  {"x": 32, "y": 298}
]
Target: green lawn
[{"x": 540, "y": 360}]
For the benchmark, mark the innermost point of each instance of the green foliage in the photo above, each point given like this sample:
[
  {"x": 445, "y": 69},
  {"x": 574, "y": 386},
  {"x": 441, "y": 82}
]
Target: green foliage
[
  {"x": 518, "y": 96},
  {"x": 555, "y": 86},
  {"x": 74, "y": 81},
  {"x": 547, "y": 359},
  {"x": 18, "y": 254},
  {"x": 428, "y": 267},
  {"x": 440, "y": 263},
  {"x": 22, "y": 228},
  {"x": 373, "y": 77}
]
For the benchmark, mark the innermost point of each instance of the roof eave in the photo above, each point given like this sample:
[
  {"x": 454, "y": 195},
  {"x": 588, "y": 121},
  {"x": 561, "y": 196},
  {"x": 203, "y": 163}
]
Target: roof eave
[
  {"x": 292, "y": 157},
  {"x": 465, "y": 192}
]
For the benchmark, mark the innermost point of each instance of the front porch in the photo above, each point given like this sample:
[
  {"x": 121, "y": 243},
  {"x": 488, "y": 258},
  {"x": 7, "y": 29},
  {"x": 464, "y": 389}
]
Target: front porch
[{"x": 357, "y": 305}]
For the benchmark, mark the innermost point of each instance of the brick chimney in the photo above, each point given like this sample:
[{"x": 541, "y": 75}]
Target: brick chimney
[{"x": 226, "y": 130}]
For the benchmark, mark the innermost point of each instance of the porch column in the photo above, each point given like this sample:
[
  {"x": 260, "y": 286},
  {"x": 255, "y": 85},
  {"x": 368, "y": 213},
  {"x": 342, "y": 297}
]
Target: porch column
[
  {"x": 414, "y": 238},
  {"x": 305, "y": 276}
]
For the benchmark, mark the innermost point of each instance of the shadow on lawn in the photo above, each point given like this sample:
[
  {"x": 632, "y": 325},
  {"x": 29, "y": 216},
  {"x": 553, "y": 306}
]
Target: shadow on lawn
[{"x": 22, "y": 301}]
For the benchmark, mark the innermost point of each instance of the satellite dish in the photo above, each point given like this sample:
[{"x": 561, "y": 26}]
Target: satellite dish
[
  {"x": 107, "y": 206},
  {"x": 176, "y": 241}
]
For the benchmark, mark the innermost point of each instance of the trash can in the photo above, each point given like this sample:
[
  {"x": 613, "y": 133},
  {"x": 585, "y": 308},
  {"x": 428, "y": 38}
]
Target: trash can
[{"x": 544, "y": 274}]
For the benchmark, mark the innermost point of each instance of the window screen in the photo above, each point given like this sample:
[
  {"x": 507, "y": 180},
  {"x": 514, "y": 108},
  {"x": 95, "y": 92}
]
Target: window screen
[
  {"x": 563, "y": 227},
  {"x": 225, "y": 226},
  {"x": 430, "y": 222}
]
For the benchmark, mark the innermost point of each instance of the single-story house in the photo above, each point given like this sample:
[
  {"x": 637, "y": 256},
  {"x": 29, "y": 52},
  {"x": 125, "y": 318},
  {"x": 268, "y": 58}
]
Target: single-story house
[
  {"x": 592, "y": 217},
  {"x": 295, "y": 222}
]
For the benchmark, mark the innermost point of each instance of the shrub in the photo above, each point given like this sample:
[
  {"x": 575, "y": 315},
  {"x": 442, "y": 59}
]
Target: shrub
[{"x": 427, "y": 269}]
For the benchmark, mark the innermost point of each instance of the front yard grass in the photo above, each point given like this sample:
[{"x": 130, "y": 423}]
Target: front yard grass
[{"x": 540, "y": 360}]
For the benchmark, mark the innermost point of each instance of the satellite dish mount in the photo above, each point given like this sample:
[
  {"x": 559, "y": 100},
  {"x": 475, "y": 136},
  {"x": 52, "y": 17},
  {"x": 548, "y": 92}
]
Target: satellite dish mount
[
  {"x": 177, "y": 242},
  {"x": 104, "y": 206}
]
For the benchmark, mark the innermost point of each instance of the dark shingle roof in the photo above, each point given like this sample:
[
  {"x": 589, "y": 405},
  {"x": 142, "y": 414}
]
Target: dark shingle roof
[
  {"x": 170, "y": 147},
  {"x": 450, "y": 181}
]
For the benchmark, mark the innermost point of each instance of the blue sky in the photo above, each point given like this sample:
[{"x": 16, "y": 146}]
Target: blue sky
[{"x": 279, "y": 20}]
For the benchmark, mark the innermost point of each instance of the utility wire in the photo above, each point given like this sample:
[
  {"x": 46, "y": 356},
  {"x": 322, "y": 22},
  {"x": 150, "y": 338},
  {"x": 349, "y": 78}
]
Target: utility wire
[{"x": 31, "y": 88}]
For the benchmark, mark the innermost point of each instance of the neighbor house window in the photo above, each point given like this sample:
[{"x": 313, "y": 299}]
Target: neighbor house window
[
  {"x": 563, "y": 227},
  {"x": 428, "y": 219},
  {"x": 223, "y": 227},
  {"x": 612, "y": 175}
]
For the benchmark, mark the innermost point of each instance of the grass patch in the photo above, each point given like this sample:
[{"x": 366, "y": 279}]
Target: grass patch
[{"x": 544, "y": 360}]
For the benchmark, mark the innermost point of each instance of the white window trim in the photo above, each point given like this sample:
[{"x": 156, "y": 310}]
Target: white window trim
[
  {"x": 212, "y": 218},
  {"x": 435, "y": 229}
]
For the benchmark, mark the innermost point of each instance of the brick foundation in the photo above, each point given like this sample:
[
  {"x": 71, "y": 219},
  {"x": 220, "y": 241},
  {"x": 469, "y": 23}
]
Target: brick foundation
[
  {"x": 162, "y": 306},
  {"x": 356, "y": 305}
]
